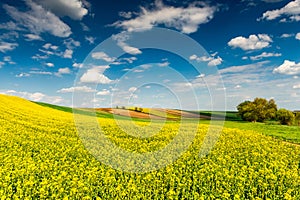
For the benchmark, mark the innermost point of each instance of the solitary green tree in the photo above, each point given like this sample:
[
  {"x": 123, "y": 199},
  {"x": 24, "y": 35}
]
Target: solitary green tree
[{"x": 285, "y": 117}]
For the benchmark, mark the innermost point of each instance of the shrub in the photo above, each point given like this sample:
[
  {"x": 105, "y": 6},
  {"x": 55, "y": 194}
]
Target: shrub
[{"x": 285, "y": 117}]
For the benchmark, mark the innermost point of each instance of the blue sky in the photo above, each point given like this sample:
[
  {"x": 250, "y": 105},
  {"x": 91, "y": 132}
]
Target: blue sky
[{"x": 51, "y": 49}]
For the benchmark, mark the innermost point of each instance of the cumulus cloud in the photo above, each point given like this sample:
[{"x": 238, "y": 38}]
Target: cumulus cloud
[
  {"x": 104, "y": 92},
  {"x": 253, "y": 42},
  {"x": 76, "y": 89},
  {"x": 71, "y": 43},
  {"x": 211, "y": 60},
  {"x": 164, "y": 64},
  {"x": 38, "y": 20},
  {"x": 50, "y": 46},
  {"x": 62, "y": 71},
  {"x": 265, "y": 55},
  {"x": 77, "y": 65},
  {"x": 6, "y": 46},
  {"x": 68, "y": 53},
  {"x": 49, "y": 64},
  {"x": 288, "y": 68},
  {"x": 121, "y": 39},
  {"x": 95, "y": 75},
  {"x": 31, "y": 37},
  {"x": 184, "y": 19},
  {"x": 102, "y": 56},
  {"x": 74, "y": 9},
  {"x": 291, "y": 10}
]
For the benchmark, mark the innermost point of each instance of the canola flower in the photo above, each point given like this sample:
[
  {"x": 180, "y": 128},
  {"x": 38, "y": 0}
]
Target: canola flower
[{"x": 42, "y": 157}]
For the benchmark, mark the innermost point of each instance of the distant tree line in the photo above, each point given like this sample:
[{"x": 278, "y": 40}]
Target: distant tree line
[
  {"x": 261, "y": 110},
  {"x": 137, "y": 109}
]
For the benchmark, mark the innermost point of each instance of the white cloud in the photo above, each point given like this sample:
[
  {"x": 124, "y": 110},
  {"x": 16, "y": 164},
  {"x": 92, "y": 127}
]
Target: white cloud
[
  {"x": 77, "y": 65},
  {"x": 254, "y": 42},
  {"x": 21, "y": 75},
  {"x": 31, "y": 37},
  {"x": 76, "y": 89},
  {"x": 68, "y": 53},
  {"x": 126, "y": 15},
  {"x": 295, "y": 18},
  {"x": 62, "y": 71},
  {"x": 38, "y": 20},
  {"x": 11, "y": 26},
  {"x": 36, "y": 96},
  {"x": 71, "y": 43},
  {"x": 211, "y": 60},
  {"x": 265, "y": 55},
  {"x": 242, "y": 68},
  {"x": 138, "y": 70},
  {"x": 297, "y": 36},
  {"x": 90, "y": 39},
  {"x": 296, "y": 86},
  {"x": 102, "y": 56},
  {"x": 215, "y": 61},
  {"x": 292, "y": 10},
  {"x": 121, "y": 39},
  {"x": 50, "y": 46},
  {"x": 84, "y": 27},
  {"x": 288, "y": 68},
  {"x": 47, "y": 52},
  {"x": 132, "y": 89},
  {"x": 129, "y": 60},
  {"x": 49, "y": 64},
  {"x": 40, "y": 72},
  {"x": 164, "y": 64},
  {"x": 8, "y": 60},
  {"x": 6, "y": 46},
  {"x": 40, "y": 57},
  {"x": 200, "y": 76},
  {"x": 71, "y": 8},
  {"x": 184, "y": 19},
  {"x": 95, "y": 75},
  {"x": 48, "y": 49},
  {"x": 286, "y": 35},
  {"x": 2, "y": 64},
  {"x": 10, "y": 36},
  {"x": 145, "y": 66},
  {"x": 104, "y": 92}
]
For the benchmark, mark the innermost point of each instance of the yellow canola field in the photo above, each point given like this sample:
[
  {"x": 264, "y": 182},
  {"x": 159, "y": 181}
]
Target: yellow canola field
[{"x": 41, "y": 157}]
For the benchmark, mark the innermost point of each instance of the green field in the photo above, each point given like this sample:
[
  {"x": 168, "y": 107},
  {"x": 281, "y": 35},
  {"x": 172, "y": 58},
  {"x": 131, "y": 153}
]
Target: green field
[
  {"x": 42, "y": 157},
  {"x": 232, "y": 120}
]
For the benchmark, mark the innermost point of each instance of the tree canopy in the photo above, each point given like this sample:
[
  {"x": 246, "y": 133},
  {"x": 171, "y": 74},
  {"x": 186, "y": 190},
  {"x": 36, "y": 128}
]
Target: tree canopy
[
  {"x": 285, "y": 117},
  {"x": 258, "y": 110}
]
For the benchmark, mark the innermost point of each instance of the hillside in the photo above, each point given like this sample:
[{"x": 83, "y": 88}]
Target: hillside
[{"x": 42, "y": 157}]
